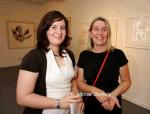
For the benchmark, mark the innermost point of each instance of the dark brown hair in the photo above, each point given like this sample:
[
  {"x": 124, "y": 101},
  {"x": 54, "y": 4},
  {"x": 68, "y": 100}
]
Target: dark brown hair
[{"x": 47, "y": 20}]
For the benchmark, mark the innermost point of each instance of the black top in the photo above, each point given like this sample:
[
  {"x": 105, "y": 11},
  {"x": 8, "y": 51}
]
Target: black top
[
  {"x": 35, "y": 61},
  {"x": 108, "y": 79}
]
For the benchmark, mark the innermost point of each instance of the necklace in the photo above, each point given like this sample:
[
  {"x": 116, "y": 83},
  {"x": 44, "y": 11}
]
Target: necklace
[{"x": 56, "y": 55}]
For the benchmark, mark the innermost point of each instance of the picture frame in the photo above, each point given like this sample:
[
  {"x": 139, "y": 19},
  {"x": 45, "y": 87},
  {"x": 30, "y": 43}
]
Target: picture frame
[
  {"x": 69, "y": 21},
  {"x": 114, "y": 27},
  {"x": 83, "y": 32},
  {"x": 21, "y": 34},
  {"x": 69, "y": 26},
  {"x": 138, "y": 33}
]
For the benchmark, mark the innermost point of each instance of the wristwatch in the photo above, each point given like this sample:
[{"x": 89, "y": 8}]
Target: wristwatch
[{"x": 58, "y": 103}]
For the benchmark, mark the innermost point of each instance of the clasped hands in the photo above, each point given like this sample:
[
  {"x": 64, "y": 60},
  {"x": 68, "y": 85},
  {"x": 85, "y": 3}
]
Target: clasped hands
[{"x": 108, "y": 101}]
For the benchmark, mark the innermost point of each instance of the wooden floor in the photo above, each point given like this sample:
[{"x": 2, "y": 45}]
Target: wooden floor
[{"x": 8, "y": 78}]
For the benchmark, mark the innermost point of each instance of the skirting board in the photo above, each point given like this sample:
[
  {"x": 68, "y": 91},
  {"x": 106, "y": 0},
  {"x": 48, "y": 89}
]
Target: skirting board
[{"x": 146, "y": 106}]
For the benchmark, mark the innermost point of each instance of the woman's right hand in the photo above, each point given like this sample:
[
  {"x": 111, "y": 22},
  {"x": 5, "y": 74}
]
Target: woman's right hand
[
  {"x": 100, "y": 95},
  {"x": 67, "y": 100},
  {"x": 109, "y": 105}
]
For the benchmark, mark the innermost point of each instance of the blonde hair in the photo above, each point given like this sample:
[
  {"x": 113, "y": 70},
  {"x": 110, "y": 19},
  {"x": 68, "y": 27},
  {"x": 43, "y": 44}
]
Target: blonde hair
[{"x": 109, "y": 44}]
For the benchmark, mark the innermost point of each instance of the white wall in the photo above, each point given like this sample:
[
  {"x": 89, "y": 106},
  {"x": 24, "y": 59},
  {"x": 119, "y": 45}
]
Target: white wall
[
  {"x": 85, "y": 11},
  {"x": 20, "y": 11},
  {"x": 15, "y": 11}
]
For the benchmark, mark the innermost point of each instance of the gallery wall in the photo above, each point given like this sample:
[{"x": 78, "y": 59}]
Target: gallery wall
[
  {"x": 82, "y": 12},
  {"x": 18, "y": 12}
]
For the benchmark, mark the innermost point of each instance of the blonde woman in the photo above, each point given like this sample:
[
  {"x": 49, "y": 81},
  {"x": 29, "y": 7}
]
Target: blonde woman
[{"x": 105, "y": 91}]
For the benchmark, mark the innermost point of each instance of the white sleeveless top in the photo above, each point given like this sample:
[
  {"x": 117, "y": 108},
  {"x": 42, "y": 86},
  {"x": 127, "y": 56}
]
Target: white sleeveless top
[{"x": 58, "y": 80}]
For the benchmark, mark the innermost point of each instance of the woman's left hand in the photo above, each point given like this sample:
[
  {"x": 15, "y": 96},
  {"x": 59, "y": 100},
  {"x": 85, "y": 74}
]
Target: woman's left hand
[
  {"x": 110, "y": 104},
  {"x": 80, "y": 106}
]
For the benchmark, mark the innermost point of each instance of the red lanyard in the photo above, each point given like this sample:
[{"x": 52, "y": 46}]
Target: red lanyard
[{"x": 100, "y": 70}]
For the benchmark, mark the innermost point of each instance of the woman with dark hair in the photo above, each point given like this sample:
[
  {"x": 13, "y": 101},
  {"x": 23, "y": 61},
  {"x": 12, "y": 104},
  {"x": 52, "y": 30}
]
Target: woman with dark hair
[
  {"x": 46, "y": 82},
  {"x": 42, "y": 38},
  {"x": 99, "y": 69}
]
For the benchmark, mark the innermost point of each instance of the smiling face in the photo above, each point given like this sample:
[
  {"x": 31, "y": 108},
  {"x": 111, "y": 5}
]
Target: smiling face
[
  {"x": 56, "y": 33},
  {"x": 99, "y": 33}
]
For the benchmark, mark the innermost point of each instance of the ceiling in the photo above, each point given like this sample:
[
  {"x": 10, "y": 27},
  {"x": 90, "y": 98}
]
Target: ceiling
[{"x": 37, "y": 1}]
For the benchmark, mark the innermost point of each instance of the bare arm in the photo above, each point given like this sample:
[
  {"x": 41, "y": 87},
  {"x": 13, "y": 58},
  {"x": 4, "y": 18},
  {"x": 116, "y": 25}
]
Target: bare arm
[
  {"x": 123, "y": 87},
  {"x": 26, "y": 97},
  {"x": 74, "y": 88},
  {"x": 88, "y": 88},
  {"x": 82, "y": 84},
  {"x": 75, "y": 92},
  {"x": 125, "y": 81}
]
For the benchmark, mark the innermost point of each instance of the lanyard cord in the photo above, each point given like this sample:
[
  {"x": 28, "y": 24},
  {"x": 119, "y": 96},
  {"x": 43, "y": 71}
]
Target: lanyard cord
[{"x": 100, "y": 70}]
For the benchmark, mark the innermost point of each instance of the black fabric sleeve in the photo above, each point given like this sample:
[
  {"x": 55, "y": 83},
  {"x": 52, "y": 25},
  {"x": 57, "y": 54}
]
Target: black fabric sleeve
[
  {"x": 81, "y": 60},
  {"x": 122, "y": 58},
  {"x": 31, "y": 61},
  {"x": 71, "y": 55}
]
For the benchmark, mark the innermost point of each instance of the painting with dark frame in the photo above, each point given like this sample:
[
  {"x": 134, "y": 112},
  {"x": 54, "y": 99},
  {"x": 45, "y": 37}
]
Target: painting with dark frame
[{"x": 21, "y": 34}]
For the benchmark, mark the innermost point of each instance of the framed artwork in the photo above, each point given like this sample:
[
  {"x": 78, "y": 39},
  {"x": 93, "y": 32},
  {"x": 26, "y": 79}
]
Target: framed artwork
[
  {"x": 21, "y": 34},
  {"x": 114, "y": 25},
  {"x": 83, "y": 32},
  {"x": 69, "y": 21},
  {"x": 138, "y": 33},
  {"x": 69, "y": 24},
  {"x": 83, "y": 36}
]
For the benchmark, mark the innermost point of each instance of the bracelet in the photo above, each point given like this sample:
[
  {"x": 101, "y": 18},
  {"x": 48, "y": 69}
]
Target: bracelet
[{"x": 58, "y": 103}]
